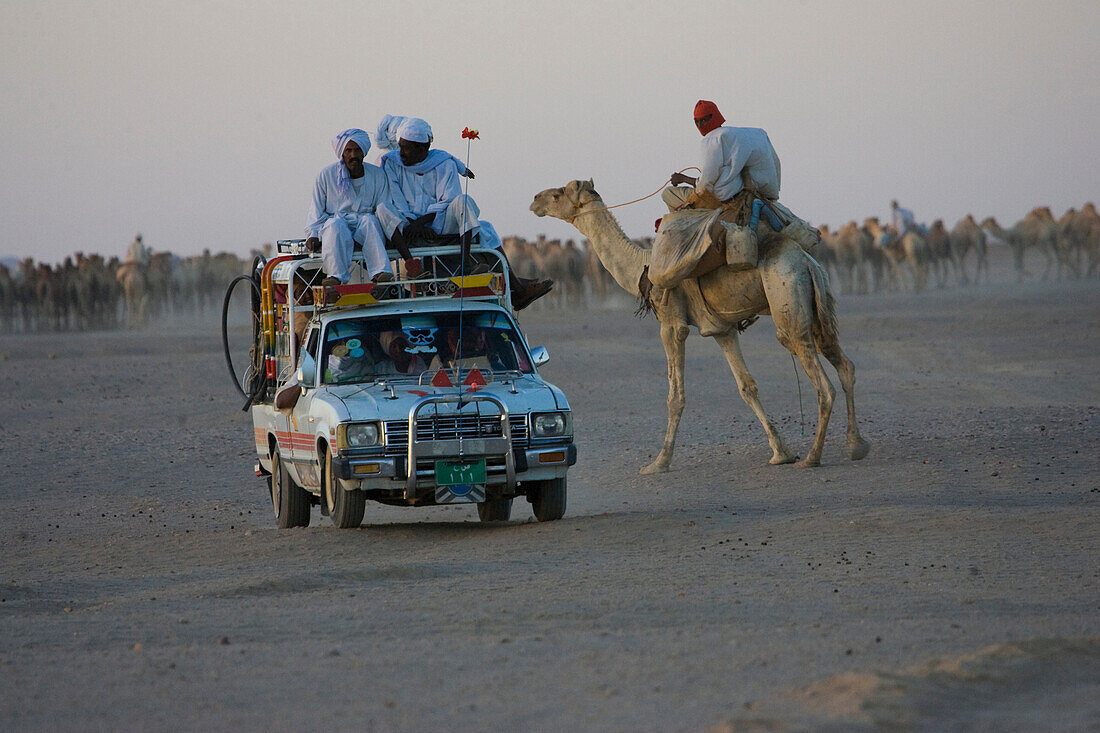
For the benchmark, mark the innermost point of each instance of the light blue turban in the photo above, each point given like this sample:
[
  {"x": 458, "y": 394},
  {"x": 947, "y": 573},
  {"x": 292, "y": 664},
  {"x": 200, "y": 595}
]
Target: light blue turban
[{"x": 360, "y": 138}]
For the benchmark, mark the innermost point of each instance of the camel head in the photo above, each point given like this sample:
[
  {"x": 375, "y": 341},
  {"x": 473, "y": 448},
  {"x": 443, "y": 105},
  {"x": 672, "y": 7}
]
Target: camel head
[{"x": 566, "y": 202}]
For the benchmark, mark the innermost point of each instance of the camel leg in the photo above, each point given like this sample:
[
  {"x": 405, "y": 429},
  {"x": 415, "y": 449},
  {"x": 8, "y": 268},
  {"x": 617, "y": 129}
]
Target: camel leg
[
  {"x": 1018, "y": 261},
  {"x": 673, "y": 337},
  {"x": 731, "y": 347},
  {"x": 1049, "y": 258},
  {"x": 806, "y": 352},
  {"x": 857, "y": 447}
]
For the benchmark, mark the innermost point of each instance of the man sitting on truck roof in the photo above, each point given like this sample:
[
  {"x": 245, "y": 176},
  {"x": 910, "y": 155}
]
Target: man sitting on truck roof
[
  {"x": 426, "y": 200},
  {"x": 346, "y": 198}
]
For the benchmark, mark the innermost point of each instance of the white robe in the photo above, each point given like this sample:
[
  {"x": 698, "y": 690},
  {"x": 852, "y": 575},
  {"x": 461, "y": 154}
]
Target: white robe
[
  {"x": 341, "y": 218},
  {"x": 437, "y": 191},
  {"x": 727, "y": 151}
]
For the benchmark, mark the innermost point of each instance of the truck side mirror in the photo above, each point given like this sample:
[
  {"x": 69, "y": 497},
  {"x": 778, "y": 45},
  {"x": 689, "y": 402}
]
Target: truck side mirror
[
  {"x": 307, "y": 370},
  {"x": 540, "y": 355}
]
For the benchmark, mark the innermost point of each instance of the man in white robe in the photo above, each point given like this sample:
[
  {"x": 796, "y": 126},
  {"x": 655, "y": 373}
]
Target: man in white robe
[
  {"x": 733, "y": 158},
  {"x": 385, "y": 137},
  {"x": 346, "y": 198},
  {"x": 426, "y": 190},
  {"x": 137, "y": 252},
  {"x": 426, "y": 200}
]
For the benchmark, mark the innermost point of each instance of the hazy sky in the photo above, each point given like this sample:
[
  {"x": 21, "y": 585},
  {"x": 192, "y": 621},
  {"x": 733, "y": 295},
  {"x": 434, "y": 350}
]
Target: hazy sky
[{"x": 203, "y": 124}]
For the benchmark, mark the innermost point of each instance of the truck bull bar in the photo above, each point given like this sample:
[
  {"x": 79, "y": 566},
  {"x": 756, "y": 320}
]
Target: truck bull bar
[{"x": 459, "y": 447}]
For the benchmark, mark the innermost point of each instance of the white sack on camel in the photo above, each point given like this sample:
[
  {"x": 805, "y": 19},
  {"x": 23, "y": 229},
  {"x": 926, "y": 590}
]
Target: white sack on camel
[{"x": 684, "y": 239}]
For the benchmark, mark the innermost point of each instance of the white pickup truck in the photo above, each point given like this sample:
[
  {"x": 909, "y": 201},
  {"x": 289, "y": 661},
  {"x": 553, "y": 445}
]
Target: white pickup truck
[{"x": 413, "y": 393}]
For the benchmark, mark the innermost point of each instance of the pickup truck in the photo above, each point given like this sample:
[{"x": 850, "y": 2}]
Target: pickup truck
[{"x": 415, "y": 392}]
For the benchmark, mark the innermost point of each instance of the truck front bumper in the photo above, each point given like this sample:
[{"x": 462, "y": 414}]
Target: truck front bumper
[{"x": 532, "y": 464}]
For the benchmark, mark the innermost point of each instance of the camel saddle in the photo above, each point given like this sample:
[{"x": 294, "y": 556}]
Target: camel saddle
[
  {"x": 702, "y": 237},
  {"x": 694, "y": 240}
]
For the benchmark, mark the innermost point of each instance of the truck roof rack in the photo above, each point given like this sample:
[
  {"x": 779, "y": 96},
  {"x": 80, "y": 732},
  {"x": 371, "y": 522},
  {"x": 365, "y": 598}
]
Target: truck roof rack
[{"x": 291, "y": 291}]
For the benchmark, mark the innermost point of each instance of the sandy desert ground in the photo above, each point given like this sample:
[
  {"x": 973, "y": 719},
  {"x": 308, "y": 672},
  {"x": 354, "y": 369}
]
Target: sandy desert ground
[{"x": 949, "y": 581}]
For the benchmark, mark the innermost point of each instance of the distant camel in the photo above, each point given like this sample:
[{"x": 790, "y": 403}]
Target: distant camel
[
  {"x": 967, "y": 237},
  {"x": 1032, "y": 232},
  {"x": 131, "y": 276},
  {"x": 908, "y": 250},
  {"x": 849, "y": 247},
  {"x": 943, "y": 259}
]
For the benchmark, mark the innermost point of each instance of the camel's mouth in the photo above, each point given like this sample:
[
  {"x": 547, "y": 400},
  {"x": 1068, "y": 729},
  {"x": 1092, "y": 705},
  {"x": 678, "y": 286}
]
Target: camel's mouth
[{"x": 537, "y": 208}]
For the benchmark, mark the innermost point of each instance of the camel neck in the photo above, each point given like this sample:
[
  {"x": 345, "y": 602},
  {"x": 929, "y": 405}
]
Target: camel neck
[{"x": 623, "y": 259}]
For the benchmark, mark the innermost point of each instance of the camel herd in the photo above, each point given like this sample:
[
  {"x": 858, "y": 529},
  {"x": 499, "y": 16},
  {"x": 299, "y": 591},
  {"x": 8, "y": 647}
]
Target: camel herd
[
  {"x": 89, "y": 292},
  {"x": 872, "y": 257}
]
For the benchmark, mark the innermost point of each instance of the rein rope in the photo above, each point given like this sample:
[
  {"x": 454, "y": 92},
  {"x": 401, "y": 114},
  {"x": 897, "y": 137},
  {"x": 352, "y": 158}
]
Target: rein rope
[{"x": 628, "y": 203}]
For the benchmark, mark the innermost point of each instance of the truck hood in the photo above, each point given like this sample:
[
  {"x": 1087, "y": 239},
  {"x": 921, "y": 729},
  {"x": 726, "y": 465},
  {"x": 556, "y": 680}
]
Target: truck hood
[{"x": 372, "y": 401}]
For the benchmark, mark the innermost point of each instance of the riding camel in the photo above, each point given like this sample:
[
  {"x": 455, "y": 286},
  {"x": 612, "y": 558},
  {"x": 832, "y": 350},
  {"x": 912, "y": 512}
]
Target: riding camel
[
  {"x": 909, "y": 250},
  {"x": 787, "y": 283},
  {"x": 131, "y": 276}
]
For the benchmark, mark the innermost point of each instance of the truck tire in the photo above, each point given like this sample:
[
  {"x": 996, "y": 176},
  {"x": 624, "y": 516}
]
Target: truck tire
[
  {"x": 494, "y": 510},
  {"x": 345, "y": 507},
  {"x": 547, "y": 499},
  {"x": 290, "y": 501}
]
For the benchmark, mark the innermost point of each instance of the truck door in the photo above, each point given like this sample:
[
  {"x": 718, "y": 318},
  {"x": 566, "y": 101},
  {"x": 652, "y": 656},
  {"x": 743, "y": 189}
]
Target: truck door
[{"x": 301, "y": 445}]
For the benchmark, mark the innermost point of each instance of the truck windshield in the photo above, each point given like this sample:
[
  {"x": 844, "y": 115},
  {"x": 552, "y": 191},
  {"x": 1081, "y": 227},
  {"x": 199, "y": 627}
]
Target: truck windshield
[{"x": 370, "y": 348}]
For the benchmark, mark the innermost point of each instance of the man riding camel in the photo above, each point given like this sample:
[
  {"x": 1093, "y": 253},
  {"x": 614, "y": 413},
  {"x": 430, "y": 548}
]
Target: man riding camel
[
  {"x": 426, "y": 201},
  {"x": 735, "y": 159},
  {"x": 902, "y": 219},
  {"x": 738, "y": 186},
  {"x": 346, "y": 199}
]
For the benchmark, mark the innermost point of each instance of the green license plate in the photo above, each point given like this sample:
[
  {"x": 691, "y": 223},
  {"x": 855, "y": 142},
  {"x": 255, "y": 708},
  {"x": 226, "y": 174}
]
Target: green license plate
[{"x": 450, "y": 473}]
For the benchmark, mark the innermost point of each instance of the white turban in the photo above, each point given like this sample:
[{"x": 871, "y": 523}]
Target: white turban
[
  {"x": 415, "y": 130},
  {"x": 352, "y": 134},
  {"x": 386, "y": 135},
  {"x": 357, "y": 136}
]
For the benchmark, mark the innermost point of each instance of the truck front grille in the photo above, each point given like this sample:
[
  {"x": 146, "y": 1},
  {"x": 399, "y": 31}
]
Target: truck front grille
[{"x": 452, "y": 427}]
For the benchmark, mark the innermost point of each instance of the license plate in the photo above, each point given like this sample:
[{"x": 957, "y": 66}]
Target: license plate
[{"x": 451, "y": 473}]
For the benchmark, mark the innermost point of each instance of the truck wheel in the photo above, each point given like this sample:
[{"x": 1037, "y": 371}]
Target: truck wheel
[
  {"x": 345, "y": 507},
  {"x": 547, "y": 499},
  {"x": 494, "y": 510},
  {"x": 290, "y": 501}
]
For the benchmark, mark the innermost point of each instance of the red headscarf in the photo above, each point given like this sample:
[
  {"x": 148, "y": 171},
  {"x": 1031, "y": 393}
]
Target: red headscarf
[{"x": 704, "y": 108}]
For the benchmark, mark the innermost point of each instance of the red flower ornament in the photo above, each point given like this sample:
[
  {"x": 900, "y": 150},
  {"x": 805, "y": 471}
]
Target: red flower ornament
[{"x": 468, "y": 134}]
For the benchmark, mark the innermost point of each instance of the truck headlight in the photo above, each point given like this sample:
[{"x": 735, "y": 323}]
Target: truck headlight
[
  {"x": 549, "y": 424},
  {"x": 357, "y": 435}
]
